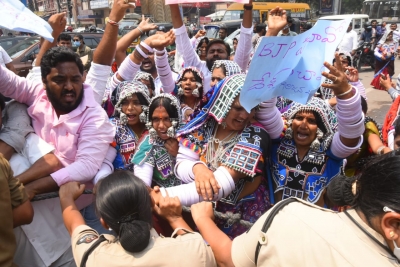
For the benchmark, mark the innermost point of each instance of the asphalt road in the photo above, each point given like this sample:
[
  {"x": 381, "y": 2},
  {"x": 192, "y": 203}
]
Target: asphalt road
[{"x": 378, "y": 101}]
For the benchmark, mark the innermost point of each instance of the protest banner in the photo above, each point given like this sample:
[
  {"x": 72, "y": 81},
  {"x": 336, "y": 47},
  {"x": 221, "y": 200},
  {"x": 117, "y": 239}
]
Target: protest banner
[
  {"x": 291, "y": 66},
  {"x": 170, "y": 2},
  {"x": 17, "y": 17}
]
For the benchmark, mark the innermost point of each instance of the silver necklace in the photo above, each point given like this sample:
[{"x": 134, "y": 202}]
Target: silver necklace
[{"x": 213, "y": 157}]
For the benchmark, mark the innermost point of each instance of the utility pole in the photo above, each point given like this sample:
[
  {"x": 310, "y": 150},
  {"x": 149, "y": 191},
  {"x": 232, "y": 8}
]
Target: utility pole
[
  {"x": 74, "y": 12},
  {"x": 58, "y": 6},
  {"x": 69, "y": 11}
]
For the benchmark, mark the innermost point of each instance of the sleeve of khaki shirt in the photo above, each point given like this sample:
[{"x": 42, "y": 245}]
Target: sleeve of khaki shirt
[
  {"x": 17, "y": 190},
  {"x": 82, "y": 239}
]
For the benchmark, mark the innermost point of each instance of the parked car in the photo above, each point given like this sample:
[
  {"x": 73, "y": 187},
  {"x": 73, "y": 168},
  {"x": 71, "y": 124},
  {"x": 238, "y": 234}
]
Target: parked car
[
  {"x": 91, "y": 39},
  {"x": 82, "y": 30},
  {"x": 212, "y": 29},
  {"x": 23, "y": 55},
  {"x": 24, "y": 52},
  {"x": 7, "y": 42}
]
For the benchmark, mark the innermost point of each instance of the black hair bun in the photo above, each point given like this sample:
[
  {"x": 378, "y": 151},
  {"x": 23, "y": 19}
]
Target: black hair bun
[
  {"x": 339, "y": 190},
  {"x": 134, "y": 236}
]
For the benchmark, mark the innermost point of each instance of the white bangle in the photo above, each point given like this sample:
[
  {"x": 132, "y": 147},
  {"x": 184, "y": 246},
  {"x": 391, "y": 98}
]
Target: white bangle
[
  {"x": 141, "y": 52},
  {"x": 143, "y": 44},
  {"x": 345, "y": 93},
  {"x": 380, "y": 150},
  {"x": 139, "y": 29}
]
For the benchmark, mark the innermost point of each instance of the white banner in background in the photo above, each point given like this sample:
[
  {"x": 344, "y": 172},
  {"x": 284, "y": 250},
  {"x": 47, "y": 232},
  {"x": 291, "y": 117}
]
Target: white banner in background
[{"x": 17, "y": 17}]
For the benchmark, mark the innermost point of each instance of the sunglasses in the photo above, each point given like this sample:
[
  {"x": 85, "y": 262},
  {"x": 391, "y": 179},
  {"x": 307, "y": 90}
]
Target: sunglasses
[{"x": 75, "y": 40}]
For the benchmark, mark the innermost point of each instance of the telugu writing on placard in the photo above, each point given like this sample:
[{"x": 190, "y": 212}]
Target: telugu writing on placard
[
  {"x": 170, "y": 2},
  {"x": 291, "y": 66},
  {"x": 15, "y": 16}
]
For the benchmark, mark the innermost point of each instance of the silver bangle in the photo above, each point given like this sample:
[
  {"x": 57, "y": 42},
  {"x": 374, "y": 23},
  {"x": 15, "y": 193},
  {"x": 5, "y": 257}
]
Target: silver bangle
[
  {"x": 345, "y": 93},
  {"x": 139, "y": 29},
  {"x": 380, "y": 150}
]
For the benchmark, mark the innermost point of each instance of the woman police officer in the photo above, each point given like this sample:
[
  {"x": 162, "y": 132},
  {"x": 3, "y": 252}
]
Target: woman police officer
[{"x": 301, "y": 234}]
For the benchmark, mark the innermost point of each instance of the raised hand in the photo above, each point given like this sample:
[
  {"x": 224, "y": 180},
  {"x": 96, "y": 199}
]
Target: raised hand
[
  {"x": 340, "y": 85},
  {"x": 57, "y": 22},
  {"x": 119, "y": 8},
  {"x": 145, "y": 26},
  {"x": 200, "y": 33},
  {"x": 276, "y": 21},
  {"x": 159, "y": 41},
  {"x": 352, "y": 74}
]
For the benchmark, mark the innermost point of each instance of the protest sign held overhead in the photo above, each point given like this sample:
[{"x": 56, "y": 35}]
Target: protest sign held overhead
[
  {"x": 17, "y": 17},
  {"x": 291, "y": 66},
  {"x": 170, "y": 2}
]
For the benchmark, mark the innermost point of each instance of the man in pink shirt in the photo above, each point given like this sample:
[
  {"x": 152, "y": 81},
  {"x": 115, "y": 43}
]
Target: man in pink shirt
[{"x": 66, "y": 115}]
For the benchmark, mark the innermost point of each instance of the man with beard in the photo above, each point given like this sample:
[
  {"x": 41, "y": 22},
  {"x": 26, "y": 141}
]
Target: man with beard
[
  {"x": 217, "y": 49},
  {"x": 149, "y": 66},
  {"x": 66, "y": 114}
]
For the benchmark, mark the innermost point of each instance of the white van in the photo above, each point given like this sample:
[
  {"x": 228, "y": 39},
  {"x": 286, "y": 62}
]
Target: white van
[{"x": 357, "y": 19}]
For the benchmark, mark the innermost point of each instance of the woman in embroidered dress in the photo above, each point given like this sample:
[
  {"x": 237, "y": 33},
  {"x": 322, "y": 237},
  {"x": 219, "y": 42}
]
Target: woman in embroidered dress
[
  {"x": 147, "y": 80},
  {"x": 310, "y": 153},
  {"x": 155, "y": 156},
  {"x": 131, "y": 102},
  {"x": 385, "y": 53},
  {"x": 189, "y": 90},
  {"x": 129, "y": 68},
  {"x": 221, "y": 144}
]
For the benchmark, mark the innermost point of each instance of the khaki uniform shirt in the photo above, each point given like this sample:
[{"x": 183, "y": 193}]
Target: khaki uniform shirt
[
  {"x": 184, "y": 250},
  {"x": 302, "y": 234},
  {"x": 86, "y": 50},
  {"x": 12, "y": 194}
]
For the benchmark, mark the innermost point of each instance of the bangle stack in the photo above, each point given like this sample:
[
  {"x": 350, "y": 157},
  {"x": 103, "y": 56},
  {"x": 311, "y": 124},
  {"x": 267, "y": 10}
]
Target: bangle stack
[
  {"x": 140, "y": 51},
  {"x": 148, "y": 48}
]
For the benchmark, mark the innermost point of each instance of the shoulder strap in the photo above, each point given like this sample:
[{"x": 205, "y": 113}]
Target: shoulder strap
[
  {"x": 269, "y": 219},
  {"x": 90, "y": 250}
]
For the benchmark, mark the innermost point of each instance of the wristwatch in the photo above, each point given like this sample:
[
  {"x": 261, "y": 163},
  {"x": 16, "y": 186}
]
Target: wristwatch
[{"x": 248, "y": 7}]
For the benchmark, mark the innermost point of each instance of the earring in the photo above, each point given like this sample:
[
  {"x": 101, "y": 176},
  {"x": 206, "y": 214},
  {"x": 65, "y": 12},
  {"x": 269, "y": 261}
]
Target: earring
[
  {"x": 142, "y": 116},
  {"x": 153, "y": 133},
  {"x": 196, "y": 92},
  {"x": 320, "y": 134},
  {"x": 289, "y": 131},
  {"x": 123, "y": 118},
  {"x": 223, "y": 124},
  {"x": 149, "y": 125},
  {"x": 171, "y": 132},
  {"x": 391, "y": 234},
  {"x": 315, "y": 145},
  {"x": 174, "y": 123},
  {"x": 181, "y": 91}
]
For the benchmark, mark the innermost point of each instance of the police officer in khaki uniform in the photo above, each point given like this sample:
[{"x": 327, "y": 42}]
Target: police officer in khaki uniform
[
  {"x": 125, "y": 205},
  {"x": 296, "y": 233},
  {"x": 15, "y": 210}
]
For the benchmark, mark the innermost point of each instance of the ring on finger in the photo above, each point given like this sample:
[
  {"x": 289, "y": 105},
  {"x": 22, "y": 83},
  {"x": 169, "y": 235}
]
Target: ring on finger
[
  {"x": 335, "y": 79},
  {"x": 126, "y": 1}
]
